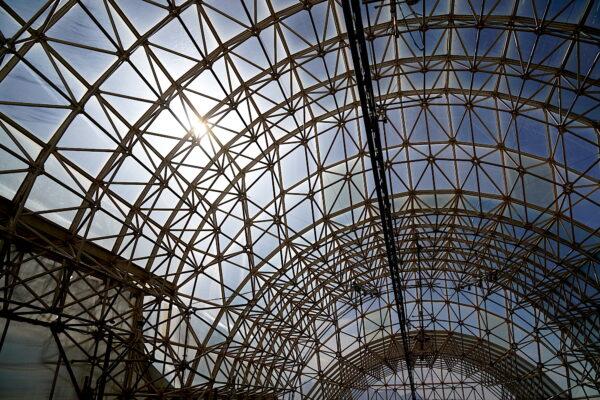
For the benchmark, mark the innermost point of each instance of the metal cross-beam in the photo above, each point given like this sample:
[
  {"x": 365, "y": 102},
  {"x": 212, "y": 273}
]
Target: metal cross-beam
[
  {"x": 360, "y": 58},
  {"x": 36, "y": 232}
]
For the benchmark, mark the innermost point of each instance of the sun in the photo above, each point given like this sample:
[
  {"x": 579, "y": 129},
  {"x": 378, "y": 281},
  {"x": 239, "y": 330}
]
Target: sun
[{"x": 199, "y": 127}]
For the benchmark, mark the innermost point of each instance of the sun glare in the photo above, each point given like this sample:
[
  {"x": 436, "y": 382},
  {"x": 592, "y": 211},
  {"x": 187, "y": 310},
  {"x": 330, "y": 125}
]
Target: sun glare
[{"x": 199, "y": 127}]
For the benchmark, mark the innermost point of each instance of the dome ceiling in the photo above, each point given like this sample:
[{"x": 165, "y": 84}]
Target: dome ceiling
[{"x": 216, "y": 151}]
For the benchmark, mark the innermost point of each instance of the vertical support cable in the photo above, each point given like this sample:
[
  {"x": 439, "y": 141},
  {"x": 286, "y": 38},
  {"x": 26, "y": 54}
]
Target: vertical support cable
[{"x": 358, "y": 49}]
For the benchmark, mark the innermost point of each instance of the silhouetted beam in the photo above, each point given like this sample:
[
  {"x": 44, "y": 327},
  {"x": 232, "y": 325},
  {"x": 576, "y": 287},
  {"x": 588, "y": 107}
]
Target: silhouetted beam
[
  {"x": 44, "y": 236},
  {"x": 360, "y": 58}
]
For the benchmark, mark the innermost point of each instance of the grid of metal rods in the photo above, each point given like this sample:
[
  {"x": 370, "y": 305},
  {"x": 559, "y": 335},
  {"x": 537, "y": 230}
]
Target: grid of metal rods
[{"x": 188, "y": 208}]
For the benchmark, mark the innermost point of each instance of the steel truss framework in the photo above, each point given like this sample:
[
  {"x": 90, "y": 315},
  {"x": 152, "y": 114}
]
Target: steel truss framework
[{"x": 189, "y": 209}]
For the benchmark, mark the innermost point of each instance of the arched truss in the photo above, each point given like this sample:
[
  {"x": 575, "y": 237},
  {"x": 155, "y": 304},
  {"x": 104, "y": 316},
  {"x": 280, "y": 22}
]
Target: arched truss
[
  {"x": 372, "y": 365},
  {"x": 187, "y": 192}
]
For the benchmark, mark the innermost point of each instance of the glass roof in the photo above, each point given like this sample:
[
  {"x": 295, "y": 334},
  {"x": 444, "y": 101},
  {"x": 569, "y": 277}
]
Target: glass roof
[{"x": 220, "y": 146}]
